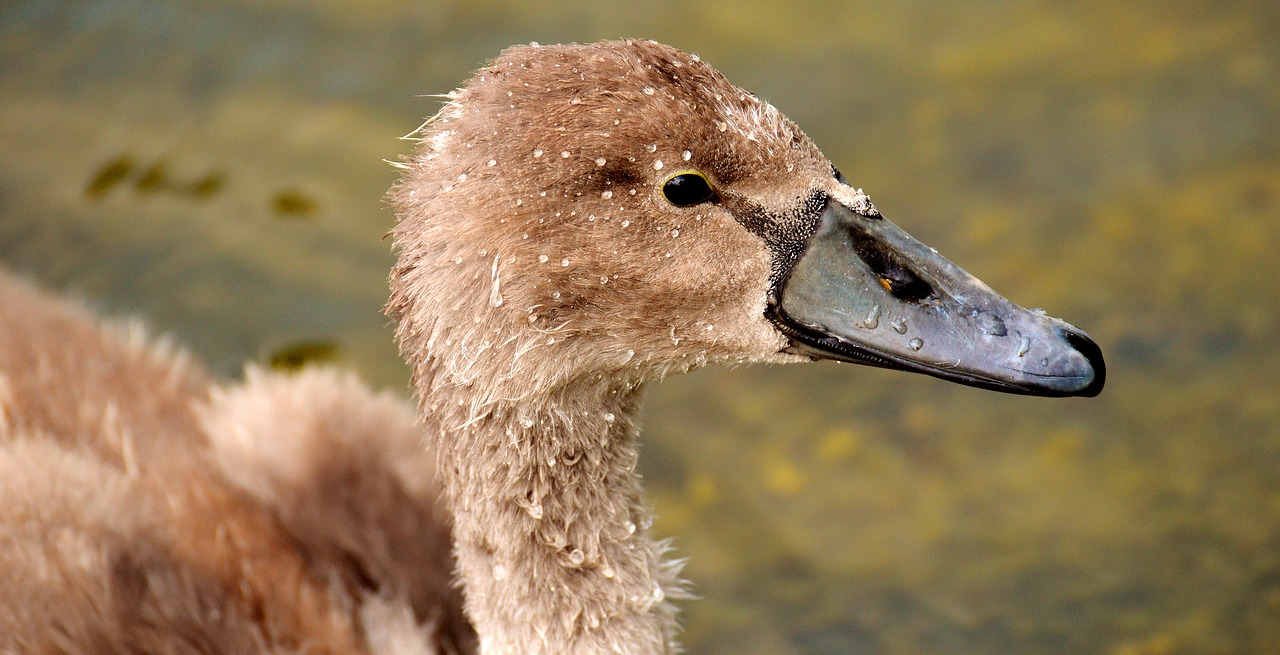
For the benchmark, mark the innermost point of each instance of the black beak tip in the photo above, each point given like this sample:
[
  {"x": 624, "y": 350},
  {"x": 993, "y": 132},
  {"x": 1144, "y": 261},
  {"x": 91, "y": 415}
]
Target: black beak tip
[{"x": 1093, "y": 354}]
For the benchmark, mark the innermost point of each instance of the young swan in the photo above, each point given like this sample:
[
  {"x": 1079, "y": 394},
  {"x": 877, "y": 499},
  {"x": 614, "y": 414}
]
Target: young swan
[
  {"x": 582, "y": 219},
  {"x": 579, "y": 220}
]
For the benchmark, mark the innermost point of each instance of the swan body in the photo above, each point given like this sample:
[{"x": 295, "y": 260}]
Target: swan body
[
  {"x": 576, "y": 222},
  {"x": 146, "y": 509}
]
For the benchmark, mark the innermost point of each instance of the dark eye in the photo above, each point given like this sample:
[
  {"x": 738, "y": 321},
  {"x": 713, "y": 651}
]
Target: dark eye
[
  {"x": 688, "y": 189},
  {"x": 839, "y": 176}
]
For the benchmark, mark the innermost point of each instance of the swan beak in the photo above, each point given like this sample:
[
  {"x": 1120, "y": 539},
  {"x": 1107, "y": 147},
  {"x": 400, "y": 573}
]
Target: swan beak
[{"x": 864, "y": 291}]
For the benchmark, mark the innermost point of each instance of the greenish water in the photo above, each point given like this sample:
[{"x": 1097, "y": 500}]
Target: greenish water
[{"x": 215, "y": 167}]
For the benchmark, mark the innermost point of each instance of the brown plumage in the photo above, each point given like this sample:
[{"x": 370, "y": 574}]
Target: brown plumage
[
  {"x": 544, "y": 276},
  {"x": 144, "y": 509}
]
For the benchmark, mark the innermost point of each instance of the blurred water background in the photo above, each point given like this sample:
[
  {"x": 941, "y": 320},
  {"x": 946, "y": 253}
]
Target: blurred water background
[{"x": 216, "y": 168}]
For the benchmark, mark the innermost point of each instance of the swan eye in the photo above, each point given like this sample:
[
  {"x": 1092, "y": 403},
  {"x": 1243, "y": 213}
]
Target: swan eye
[{"x": 688, "y": 189}]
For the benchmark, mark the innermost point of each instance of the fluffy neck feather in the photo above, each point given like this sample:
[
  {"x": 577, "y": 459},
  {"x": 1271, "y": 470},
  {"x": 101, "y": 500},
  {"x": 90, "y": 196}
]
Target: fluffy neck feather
[{"x": 550, "y": 530}]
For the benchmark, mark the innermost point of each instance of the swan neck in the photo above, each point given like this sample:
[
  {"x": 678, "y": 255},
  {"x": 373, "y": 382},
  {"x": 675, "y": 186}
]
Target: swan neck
[{"x": 551, "y": 531}]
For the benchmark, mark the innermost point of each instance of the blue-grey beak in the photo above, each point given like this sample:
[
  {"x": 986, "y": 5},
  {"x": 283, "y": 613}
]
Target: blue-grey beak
[{"x": 864, "y": 291}]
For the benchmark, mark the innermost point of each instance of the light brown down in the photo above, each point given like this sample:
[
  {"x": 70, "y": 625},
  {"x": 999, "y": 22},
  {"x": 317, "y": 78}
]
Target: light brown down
[
  {"x": 145, "y": 509},
  {"x": 542, "y": 280}
]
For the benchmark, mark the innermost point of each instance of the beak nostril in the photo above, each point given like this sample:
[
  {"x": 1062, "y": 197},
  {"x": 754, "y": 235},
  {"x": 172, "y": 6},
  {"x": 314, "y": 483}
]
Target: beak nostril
[
  {"x": 896, "y": 276},
  {"x": 1086, "y": 346}
]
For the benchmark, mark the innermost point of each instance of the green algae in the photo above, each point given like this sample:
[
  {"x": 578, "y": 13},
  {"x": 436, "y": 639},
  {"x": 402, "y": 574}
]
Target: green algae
[
  {"x": 295, "y": 204},
  {"x": 295, "y": 356}
]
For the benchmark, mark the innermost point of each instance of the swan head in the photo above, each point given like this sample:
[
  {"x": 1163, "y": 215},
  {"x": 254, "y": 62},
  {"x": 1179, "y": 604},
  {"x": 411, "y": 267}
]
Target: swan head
[{"x": 620, "y": 210}]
